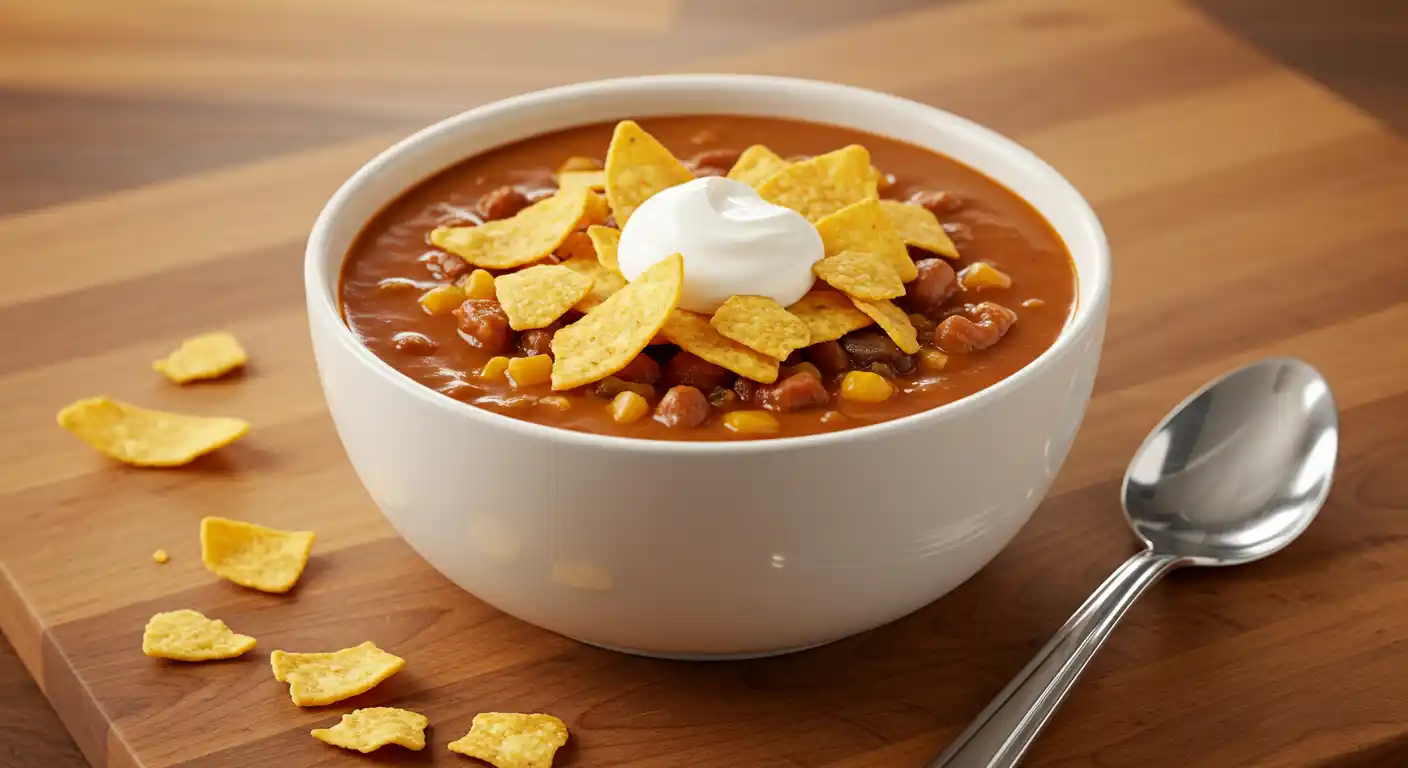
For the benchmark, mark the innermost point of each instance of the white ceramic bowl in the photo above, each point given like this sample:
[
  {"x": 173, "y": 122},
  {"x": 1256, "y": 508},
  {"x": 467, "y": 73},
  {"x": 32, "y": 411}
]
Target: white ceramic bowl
[{"x": 706, "y": 549}]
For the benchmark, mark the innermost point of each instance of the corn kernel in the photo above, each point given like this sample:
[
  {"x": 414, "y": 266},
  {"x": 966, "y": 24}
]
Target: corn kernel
[
  {"x": 555, "y": 402},
  {"x": 441, "y": 299},
  {"x": 751, "y": 422},
  {"x": 495, "y": 368},
  {"x": 529, "y": 371},
  {"x": 579, "y": 163},
  {"x": 793, "y": 370},
  {"x": 478, "y": 284},
  {"x": 627, "y": 407},
  {"x": 932, "y": 360},
  {"x": 981, "y": 275},
  {"x": 866, "y": 387}
]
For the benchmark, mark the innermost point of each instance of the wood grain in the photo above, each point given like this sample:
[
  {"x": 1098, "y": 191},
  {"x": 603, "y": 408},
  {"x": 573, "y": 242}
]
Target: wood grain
[{"x": 173, "y": 154}]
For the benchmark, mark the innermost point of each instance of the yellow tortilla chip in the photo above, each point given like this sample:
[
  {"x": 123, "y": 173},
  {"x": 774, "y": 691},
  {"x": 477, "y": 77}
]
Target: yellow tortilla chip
[
  {"x": 638, "y": 166},
  {"x": 370, "y": 729},
  {"x": 187, "y": 635},
  {"x": 253, "y": 556},
  {"x": 893, "y": 320},
  {"x": 604, "y": 281},
  {"x": 147, "y": 438},
  {"x": 693, "y": 333},
  {"x": 829, "y": 315},
  {"x": 528, "y": 236},
  {"x": 823, "y": 184},
  {"x": 536, "y": 296},
  {"x": 761, "y": 324},
  {"x": 863, "y": 226},
  {"x": 606, "y": 240},
  {"x": 609, "y": 337},
  {"x": 861, "y": 274},
  {"x": 919, "y": 227},
  {"x": 207, "y": 356},
  {"x": 506, "y": 740},
  {"x": 593, "y": 180},
  {"x": 755, "y": 164},
  {"x": 319, "y": 679}
]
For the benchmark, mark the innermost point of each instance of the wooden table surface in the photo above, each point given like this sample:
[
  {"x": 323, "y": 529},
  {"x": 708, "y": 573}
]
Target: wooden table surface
[{"x": 163, "y": 160}]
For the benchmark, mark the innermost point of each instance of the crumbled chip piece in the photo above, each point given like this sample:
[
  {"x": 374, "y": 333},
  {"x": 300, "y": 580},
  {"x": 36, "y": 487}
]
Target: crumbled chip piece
[
  {"x": 761, "y": 324},
  {"x": 160, "y": 557},
  {"x": 822, "y": 185},
  {"x": 980, "y": 275},
  {"x": 537, "y": 296},
  {"x": 367, "y": 730},
  {"x": 318, "y": 679},
  {"x": 187, "y": 635},
  {"x": 526, "y": 237},
  {"x": 861, "y": 274},
  {"x": 147, "y": 438},
  {"x": 253, "y": 556},
  {"x": 864, "y": 227},
  {"x": 829, "y": 315},
  {"x": 506, "y": 740},
  {"x": 638, "y": 166},
  {"x": 207, "y": 356},
  {"x": 606, "y": 240},
  {"x": 693, "y": 333},
  {"x": 609, "y": 337},
  {"x": 604, "y": 281},
  {"x": 755, "y": 164},
  {"x": 893, "y": 320},
  {"x": 594, "y": 180},
  {"x": 919, "y": 227}
]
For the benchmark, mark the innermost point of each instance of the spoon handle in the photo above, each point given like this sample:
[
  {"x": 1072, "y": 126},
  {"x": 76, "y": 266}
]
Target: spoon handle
[{"x": 1001, "y": 735}]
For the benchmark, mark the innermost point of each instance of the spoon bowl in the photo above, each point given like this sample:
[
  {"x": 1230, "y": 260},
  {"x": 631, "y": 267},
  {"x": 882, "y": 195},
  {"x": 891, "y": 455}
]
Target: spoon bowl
[{"x": 1234, "y": 473}]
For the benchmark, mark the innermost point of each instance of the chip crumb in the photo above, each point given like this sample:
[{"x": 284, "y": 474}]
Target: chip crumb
[
  {"x": 187, "y": 635},
  {"x": 207, "y": 356},
  {"x": 146, "y": 438},
  {"x": 160, "y": 557},
  {"x": 507, "y": 740},
  {"x": 253, "y": 556},
  {"x": 319, "y": 679},
  {"x": 370, "y": 729}
]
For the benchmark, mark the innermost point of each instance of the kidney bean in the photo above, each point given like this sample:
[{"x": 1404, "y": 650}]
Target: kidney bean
[
  {"x": 978, "y": 326},
  {"x": 936, "y": 284},
  {"x": 502, "y": 203},
  {"x": 693, "y": 371},
  {"x": 870, "y": 346},
  {"x": 798, "y": 391},
  {"x": 682, "y": 407},
  {"x": 485, "y": 325},
  {"x": 938, "y": 201},
  {"x": 643, "y": 369},
  {"x": 829, "y": 357}
]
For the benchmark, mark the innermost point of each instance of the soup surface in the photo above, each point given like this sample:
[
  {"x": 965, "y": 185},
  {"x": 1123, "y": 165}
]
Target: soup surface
[{"x": 978, "y": 314}]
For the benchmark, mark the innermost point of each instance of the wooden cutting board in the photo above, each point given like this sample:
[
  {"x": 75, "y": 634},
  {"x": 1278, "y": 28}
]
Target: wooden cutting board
[{"x": 1251, "y": 212}]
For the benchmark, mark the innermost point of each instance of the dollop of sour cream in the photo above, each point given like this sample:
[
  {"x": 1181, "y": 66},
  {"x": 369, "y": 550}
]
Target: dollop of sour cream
[{"x": 733, "y": 242}]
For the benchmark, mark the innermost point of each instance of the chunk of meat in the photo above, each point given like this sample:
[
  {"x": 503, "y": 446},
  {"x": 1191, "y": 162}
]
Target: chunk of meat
[
  {"x": 938, "y": 201},
  {"x": 690, "y": 370},
  {"x": 483, "y": 324},
  {"x": 975, "y": 327},
  {"x": 870, "y": 346},
  {"x": 643, "y": 369},
  {"x": 936, "y": 284},
  {"x": 502, "y": 203},
  {"x": 798, "y": 391},
  {"x": 682, "y": 408},
  {"x": 829, "y": 357}
]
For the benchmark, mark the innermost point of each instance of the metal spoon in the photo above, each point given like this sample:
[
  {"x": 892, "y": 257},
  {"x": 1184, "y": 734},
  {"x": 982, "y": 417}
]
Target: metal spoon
[{"x": 1233, "y": 474}]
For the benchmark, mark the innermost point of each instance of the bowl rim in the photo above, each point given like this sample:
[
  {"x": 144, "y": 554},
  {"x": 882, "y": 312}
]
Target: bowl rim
[{"x": 323, "y": 301}]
